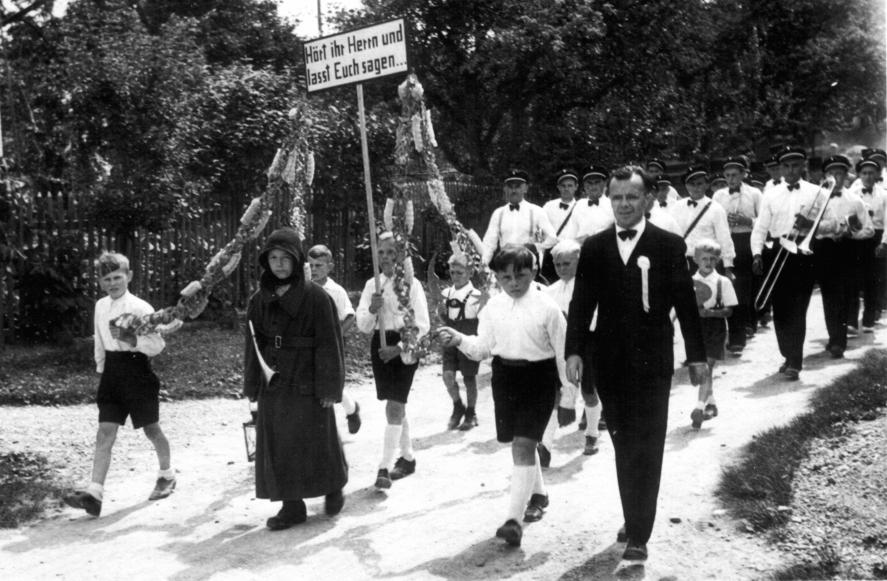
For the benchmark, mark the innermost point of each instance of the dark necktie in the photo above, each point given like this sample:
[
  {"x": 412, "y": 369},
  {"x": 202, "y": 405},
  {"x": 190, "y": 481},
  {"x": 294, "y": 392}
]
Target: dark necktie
[
  {"x": 514, "y": 207},
  {"x": 866, "y": 190},
  {"x": 692, "y": 203},
  {"x": 593, "y": 202},
  {"x": 794, "y": 186},
  {"x": 564, "y": 206},
  {"x": 628, "y": 234}
]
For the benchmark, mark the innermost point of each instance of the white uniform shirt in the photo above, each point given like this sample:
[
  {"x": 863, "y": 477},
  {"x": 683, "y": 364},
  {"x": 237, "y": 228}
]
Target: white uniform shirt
[
  {"x": 340, "y": 297},
  {"x": 770, "y": 185},
  {"x": 662, "y": 218},
  {"x": 713, "y": 224},
  {"x": 389, "y": 314},
  {"x": 557, "y": 214},
  {"x": 468, "y": 295},
  {"x": 834, "y": 224},
  {"x": 875, "y": 202},
  {"x": 728, "y": 293},
  {"x": 747, "y": 202},
  {"x": 562, "y": 293},
  {"x": 778, "y": 209},
  {"x": 531, "y": 328},
  {"x": 519, "y": 226},
  {"x": 588, "y": 219},
  {"x": 107, "y": 309}
]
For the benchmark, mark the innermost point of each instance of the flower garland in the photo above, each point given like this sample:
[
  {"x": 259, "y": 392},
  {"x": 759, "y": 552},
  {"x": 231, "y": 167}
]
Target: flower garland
[
  {"x": 415, "y": 132},
  {"x": 291, "y": 174}
]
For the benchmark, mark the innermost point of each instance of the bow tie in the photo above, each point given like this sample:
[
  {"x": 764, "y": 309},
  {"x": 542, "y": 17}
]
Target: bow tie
[
  {"x": 734, "y": 190},
  {"x": 647, "y": 215},
  {"x": 794, "y": 186},
  {"x": 593, "y": 202},
  {"x": 627, "y": 234},
  {"x": 866, "y": 190},
  {"x": 692, "y": 203},
  {"x": 564, "y": 206},
  {"x": 836, "y": 194},
  {"x": 514, "y": 207},
  {"x": 663, "y": 204}
]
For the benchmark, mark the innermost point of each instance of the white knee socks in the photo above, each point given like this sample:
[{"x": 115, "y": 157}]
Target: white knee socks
[
  {"x": 389, "y": 446},
  {"x": 522, "y": 481},
  {"x": 348, "y": 404},
  {"x": 406, "y": 443},
  {"x": 550, "y": 429},
  {"x": 592, "y": 419}
]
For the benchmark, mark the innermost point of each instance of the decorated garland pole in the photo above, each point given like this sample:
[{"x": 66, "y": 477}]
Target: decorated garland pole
[
  {"x": 290, "y": 175},
  {"x": 415, "y": 137}
]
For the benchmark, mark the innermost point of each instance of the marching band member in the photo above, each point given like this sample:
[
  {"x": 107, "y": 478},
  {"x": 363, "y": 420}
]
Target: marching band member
[
  {"x": 518, "y": 221},
  {"x": 772, "y": 167},
  {"x": 665, "y": 192},
  {"x": 845, "y": 218},
  {"x": 700, "y": 218},
  {"x": 786, "y": 209},
  {"x": 742, "y": 203},
  {"x": 871, "y": 268},
  {"x": 560, "y": 211},
  {"x": 594, "y": 213}
]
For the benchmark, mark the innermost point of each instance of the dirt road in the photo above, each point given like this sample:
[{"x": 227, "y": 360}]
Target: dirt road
[{"x": 436, "y": 524}]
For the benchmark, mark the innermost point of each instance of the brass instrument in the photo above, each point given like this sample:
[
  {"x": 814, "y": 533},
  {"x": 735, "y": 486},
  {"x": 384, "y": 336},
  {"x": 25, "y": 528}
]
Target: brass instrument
[
  {"x": 266, "y": 369},
  {"x": 789, "y": 245}
]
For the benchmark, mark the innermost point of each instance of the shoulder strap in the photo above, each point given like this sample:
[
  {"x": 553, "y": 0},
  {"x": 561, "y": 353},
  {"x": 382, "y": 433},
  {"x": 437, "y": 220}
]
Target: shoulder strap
[
  {"x": 698, "y": 217},
  {"x": 718, "y": 304},
  {"x": 567, "y": 219}
]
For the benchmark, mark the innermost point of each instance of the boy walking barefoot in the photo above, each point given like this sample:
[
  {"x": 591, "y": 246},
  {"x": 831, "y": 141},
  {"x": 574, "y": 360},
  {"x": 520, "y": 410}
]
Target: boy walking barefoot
[
  {"x": 393, "y": 376},
  {"x": 716, "y": 298},
  {"x": 459, "y": 311},
  {"x": 524, "y": 330},
  {"x": 320, "y": 260},
  {"x": 128, "y": 386}
]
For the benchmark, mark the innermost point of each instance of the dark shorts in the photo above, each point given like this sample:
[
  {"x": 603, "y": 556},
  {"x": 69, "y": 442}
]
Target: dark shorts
[
  {"x": 714, "y": 335},
  {"x": 455, "y": 360},
  {"x": 128, "y": 387},
  {"x": 523, "y": 397},
  {"x": 393, "y": 379}
]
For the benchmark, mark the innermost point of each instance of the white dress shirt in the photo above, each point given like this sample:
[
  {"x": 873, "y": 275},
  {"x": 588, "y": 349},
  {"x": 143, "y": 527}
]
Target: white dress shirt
[
  {"x": 875, "y": 202},
  {"x": 713, "y": 224},
  {"x": 340, "y": 297},
  {"x": 588, "y": 219},
  {"x": 528, "y": 223},
  {"x": 778, "y": 209},
  {"x": 531, "y": 327},
  {"x": 835, "y": 220},
  {"x": 562, "y": 293},
  {"x": 556, "y": 214},
  {"x": 728, "y": 293},
  {"x": 107, "y": 309},
  {"x": 662, "y": 218},
  {"x": 468, "y": 295},
  {"x": 626, "y": 247},
  {"x": 747, "y": 202},
  {"x": 390, "y": 315}
]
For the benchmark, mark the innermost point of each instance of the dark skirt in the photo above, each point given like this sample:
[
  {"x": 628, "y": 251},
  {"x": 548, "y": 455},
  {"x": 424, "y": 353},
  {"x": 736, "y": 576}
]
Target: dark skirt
[{"x": 523, "y": 397}]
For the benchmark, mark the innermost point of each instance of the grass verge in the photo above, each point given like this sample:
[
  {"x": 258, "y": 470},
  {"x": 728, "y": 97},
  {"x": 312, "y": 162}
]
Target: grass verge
[{"x": 27, "y": 487}]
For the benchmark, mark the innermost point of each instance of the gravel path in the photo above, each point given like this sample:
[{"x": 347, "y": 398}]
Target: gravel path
[{"x": 436, "y": 524}]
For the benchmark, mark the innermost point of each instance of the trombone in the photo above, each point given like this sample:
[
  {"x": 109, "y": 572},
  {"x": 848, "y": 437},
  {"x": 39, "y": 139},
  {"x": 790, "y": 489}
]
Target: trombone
[
  {"x": 267, "y": 371},
  {"x": 789, "y": 244}
]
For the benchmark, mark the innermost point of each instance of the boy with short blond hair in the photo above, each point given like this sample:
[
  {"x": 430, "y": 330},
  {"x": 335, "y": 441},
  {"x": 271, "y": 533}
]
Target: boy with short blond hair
[
  {"x": 128, "y": 387},
  {"x": 320, "y": 261}
]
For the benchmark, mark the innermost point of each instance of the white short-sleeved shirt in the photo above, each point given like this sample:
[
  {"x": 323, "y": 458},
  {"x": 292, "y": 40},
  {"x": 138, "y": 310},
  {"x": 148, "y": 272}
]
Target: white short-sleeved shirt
[
  {"x": 728, "y": 293},
  {"x": 340, "y": 297},
  {"x": 468, "y": 295}
]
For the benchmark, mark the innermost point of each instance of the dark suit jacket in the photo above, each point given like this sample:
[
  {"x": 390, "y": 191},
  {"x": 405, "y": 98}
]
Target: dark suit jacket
[{"x": 628, "y": 342}]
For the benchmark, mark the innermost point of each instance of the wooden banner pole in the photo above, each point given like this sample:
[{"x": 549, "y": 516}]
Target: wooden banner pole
[{"x": 371, "y": 214}]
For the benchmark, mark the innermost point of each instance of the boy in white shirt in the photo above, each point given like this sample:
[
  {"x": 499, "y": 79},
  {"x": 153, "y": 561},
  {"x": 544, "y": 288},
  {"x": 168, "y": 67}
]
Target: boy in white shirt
[
  {"x": 715, "y": 298},
  {"x": 320, "y": 261},
  {"x": 128, "y": 386},
  {"x": 524, "y": 330},
  {"x": 462, "y": 302}
]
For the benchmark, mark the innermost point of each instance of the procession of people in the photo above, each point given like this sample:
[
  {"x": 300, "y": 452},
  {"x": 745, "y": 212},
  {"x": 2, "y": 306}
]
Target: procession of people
[{"x": 582, "y": 299}]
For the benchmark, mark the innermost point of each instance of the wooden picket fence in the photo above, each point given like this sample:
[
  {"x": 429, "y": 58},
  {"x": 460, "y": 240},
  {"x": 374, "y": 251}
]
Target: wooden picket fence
[{"x": 54, "y": 226}]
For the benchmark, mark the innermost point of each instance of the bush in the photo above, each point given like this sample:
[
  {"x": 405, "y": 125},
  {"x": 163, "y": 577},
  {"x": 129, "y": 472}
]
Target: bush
[{"x": 28, "y": 486}]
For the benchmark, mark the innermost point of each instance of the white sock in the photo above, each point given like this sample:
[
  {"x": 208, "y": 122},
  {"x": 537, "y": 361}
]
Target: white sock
[
  {"x": 550, "y": 429},
  {"x": 538, "y": 483},
  {"x": 406, "y": 443},
  {"x": 348, "y": 404},
  {"x": 700, "y": 405},
  {"x": 710, "y": 400},
  {"x": 522, "y": 480},
  {"x": 95, "y": 489},
  {"x": 167, "y": 474},
  {"x": 592, "y": 419},
  {"x": 389, "y": 446}
]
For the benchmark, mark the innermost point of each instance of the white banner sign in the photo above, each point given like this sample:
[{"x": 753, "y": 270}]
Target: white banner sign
[{"x": 356, "y": 56}]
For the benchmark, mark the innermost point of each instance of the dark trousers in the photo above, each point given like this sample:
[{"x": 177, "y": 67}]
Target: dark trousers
[
  {"x": 867, "y": 279},
  {"x": 637, "y": 416},
  {"x": 743, "y": 313},
  {"x": 834, "y": 269},
  {"x": 790, "y": 299}
]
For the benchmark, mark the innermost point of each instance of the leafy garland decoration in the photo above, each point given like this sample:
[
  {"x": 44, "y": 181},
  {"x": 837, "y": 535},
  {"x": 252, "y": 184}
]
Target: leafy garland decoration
[{"x": 291, "y": 174}]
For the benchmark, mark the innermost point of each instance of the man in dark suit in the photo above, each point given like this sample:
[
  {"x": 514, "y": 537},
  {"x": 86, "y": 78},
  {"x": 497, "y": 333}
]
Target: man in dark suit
[{"x": 633, "y": 274}]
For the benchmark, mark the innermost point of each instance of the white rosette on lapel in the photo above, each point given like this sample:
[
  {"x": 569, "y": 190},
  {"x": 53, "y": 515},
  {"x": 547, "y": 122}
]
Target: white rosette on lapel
[{"x": 644, "y": 265}]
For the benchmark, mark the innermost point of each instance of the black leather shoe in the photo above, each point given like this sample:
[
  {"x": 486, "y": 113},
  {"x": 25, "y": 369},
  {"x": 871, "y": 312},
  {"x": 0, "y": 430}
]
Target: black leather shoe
[
  {"x": 536, "y": 508},
  {"x": 403, "y": 468},
  {"x": 511, "y": 532},
  {"x": 635, "y": 552},
  {"x": 456, "y": 417},
  {"x": 621, "y": 537},
  {"x": 84, "y": 500},
  {"x": 292, "y": 513},
  {"x": 354, "y": 421},
  {"x": 591, "y": 447},
  {"x": 383, "y": 480},
  {"x": 333, "y": 503},
  {"x": 544, "y": 456}
]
